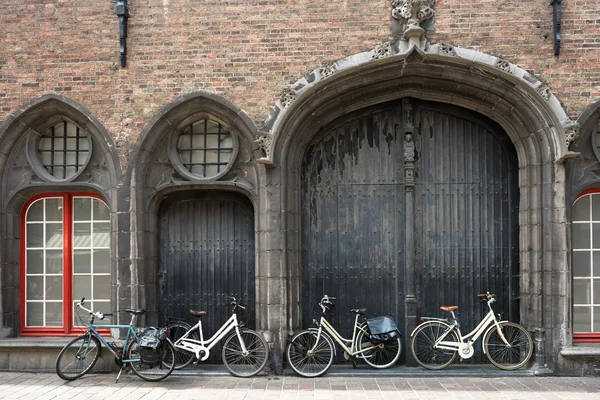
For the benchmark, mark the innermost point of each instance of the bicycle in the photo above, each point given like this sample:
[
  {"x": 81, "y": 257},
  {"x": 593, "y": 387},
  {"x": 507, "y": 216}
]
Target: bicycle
[
  {"x": 79, "y": 356},
  {"x": 436, "y": 342},
  {"x": 310, "y": 352},
  {"x": 245, "y": 352}
]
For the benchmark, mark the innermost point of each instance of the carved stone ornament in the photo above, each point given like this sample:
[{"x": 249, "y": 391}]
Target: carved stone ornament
[
  {"x": 288, "y": 97},
  {"x": 382, "y": 51},
  {"x": 412, "y": 12},
  {"x": 264, "y": 141},
  {"x": 327, "y": 70},
  {"x": 571, "y": 133},
  {"x": 409, "y": 147},
  {"x": 502, "y": 65},
  {"x": 544, "y": 91},
  {"x": 447, "y": 50}
]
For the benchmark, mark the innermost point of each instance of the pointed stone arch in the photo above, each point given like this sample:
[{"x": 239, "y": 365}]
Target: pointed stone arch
[{"x": 514, "y": 98}]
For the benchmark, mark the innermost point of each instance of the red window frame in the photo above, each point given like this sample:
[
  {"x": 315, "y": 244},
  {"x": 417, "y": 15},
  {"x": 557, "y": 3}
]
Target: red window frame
[
  {"x": 585, "y": 337},
  {"x": 67, "y": 329}
]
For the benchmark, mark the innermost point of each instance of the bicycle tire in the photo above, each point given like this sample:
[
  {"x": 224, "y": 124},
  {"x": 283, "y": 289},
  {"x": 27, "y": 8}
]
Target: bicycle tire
[
  {"x": 305, "y": 364},
  {"x": 79, "y": 356},
  {"x": 421, "y": 345},
  {"x": 153, "y": 373},
  {"x": 245, "y": 365},
  {"x": 510, "y": 357},
  {"x": 183, "y": 358},
  {"x": 384, "y": 355}
]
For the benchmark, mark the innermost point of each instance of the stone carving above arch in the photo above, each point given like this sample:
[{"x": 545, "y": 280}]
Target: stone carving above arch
[{"x": 493, "y": 71}]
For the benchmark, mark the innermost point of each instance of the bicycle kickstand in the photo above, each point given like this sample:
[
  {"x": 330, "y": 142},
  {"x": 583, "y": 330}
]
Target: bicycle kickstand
[{"x": 119, "y": 374}]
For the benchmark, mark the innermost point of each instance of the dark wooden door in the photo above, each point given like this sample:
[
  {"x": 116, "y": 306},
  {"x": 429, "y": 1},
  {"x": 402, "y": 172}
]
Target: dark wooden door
[
  {"x": 206, "y": 253},
  {"x": 464, "y": 218}
]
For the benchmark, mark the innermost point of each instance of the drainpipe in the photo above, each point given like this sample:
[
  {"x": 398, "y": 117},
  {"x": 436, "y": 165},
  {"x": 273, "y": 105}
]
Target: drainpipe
[{"x": 123, "y": 13}]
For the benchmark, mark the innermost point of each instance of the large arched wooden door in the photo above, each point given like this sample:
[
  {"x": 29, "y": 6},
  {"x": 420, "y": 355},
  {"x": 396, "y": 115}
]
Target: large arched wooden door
[
  {"x": 464, "y": 235},
  {"x": 206, "y": 253}
]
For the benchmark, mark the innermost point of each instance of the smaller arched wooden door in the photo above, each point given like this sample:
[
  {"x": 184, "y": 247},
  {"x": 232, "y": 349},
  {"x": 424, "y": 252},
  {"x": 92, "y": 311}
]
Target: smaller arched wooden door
[{"x": 206, "y": 253}]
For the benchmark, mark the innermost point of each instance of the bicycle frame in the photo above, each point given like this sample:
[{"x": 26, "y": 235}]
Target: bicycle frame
[
  {"x": 196, "y": 346},
  {"x": 471, "y": 337},
  {"x": 339, "y": 339}
]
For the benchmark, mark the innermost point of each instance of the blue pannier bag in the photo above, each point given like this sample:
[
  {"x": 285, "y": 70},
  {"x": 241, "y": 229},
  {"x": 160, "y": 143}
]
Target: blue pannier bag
[
  {"x": 150, "y": 344},
  {"x": 382, "y": 329}
]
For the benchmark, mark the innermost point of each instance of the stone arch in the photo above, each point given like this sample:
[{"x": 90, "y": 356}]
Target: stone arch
[
  {"x": 152, "y": 176},
  {"x": 518, "y": 101},
  {"x": 20, "y": 182}
]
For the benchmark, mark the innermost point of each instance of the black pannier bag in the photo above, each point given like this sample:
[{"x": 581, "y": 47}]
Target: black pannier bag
[
  {"x": 150, "y": 344},
  {"x": 382, "y": 329}
]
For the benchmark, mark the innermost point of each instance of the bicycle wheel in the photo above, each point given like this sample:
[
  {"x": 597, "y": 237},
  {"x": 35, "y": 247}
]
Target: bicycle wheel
[
  {"x": 382, "y": 355},
  {"x": 421, "y": 345},
  {"x": 78, "y": 357},
  {"x": 251, "y": 363},
  {"x": 306, "y": 361},
  {"x": 183, "y": 358},
  {"x": 156, "y": 372},
  {"x": 512, "y": 356}
]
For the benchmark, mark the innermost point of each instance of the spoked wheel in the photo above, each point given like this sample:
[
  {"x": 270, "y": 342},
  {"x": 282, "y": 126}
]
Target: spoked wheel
[
  {"x": 183, "y": 358},
  {"x": 155, "y": 372},
  {"x": 308, "y": 357},
  {"x": 78, "y": 357},
  {"x": 512, "y": 356},
  {"x": 245, "y": 364},
  {"x": 422, "y": 343},
  {"x": 379, "y": 355}
]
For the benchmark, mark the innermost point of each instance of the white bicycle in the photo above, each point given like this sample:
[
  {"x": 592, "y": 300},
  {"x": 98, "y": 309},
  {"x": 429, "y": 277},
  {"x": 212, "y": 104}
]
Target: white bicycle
[
  {"x": 436, "y": 342},
  {"x": 245, "y": 352}
]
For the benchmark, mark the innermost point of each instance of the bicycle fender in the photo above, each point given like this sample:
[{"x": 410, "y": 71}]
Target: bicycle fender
[
  {"x": 327, "y": 337},
  {"x": 427, "y": 322}
]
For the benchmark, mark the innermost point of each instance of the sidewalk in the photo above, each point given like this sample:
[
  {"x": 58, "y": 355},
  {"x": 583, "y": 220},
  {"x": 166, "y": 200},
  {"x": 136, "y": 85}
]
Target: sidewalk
[{"x": 181, "y": 386}]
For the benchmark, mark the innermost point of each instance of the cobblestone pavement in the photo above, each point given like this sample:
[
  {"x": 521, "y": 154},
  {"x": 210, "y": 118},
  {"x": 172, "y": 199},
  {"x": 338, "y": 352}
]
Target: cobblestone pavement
[{"x": 102, "y": 386}]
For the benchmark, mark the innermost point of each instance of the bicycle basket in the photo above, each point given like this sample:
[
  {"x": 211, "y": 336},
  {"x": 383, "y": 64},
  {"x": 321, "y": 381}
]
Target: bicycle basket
[
  {"x": 382, "y": 329},
  {"x": 150, "y": 344}
]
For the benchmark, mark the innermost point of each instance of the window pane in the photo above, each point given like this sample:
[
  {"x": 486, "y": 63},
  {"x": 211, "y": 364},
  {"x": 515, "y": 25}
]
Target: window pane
[
  {"x": 54, "y": 314},
  {"x": 54, "y": 287},
  {"x": 581, "y": 209},
  {"x": 597, "y": 291},
  {"x": 582, "y": 319},
  {"x": 596, "y": 255},
  {"x": 101, "y": 287},
  {"x": 82, "y": 261},
  {"x": 54, "y": 235},
  {"x": 35, "y": 314},
  {"x": 81, "y": 234},
  {"x": 211, "y": 170},
  {"x": 82, "y": 209},
  {"x": 35, "y": 287},
  {"x": 101, "y": 261},
  {"x": 101, "y": 234},
  {"x": 596, "y": 326},
  {"x": 581, "y": 291},
  {"x": 595, "y": 207},
  {"x": 104, "y": 308},
  {"x": 36, "y": 211},
  {"x": 35, "y": 262},
  {"x": 35, "y": 235},
  {"x": 581, "y": 236},
  {"x": 596, "y": 235},
  {"x": 54, "y": 210},
  {"x": 82, "y": 287},
  {"x": 100, "y": 210},
  {"x": 54, "y": 261}
]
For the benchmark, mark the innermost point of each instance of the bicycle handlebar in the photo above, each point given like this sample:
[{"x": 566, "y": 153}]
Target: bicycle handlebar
[
  {"x": 487, "y": 296},
  {"x": 235, "y": 303},
  {"x": 92, "y": 313}
]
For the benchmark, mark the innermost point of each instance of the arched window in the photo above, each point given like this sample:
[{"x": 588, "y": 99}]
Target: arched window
[
  {"x": 65, "y": 255},
  {"x": 586, "y": 267}
]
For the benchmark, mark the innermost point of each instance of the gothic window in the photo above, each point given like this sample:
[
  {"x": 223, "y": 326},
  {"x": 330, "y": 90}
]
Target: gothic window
[
  {"x": 586, "y": 267},
  {"x": 65, "y": 256}
]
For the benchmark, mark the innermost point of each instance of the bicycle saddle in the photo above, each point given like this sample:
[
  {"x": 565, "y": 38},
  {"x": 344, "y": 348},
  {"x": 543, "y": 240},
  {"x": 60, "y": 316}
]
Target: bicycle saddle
[
  {"x": 449, "y": 308},
  {"x": 360, "y": 311},
  {"x": 195, "y": 313},
  {"x": 135, "y": 311}
]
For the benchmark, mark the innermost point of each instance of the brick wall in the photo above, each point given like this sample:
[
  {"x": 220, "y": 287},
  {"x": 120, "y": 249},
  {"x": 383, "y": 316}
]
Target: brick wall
[{"x": 248, "y": 51}]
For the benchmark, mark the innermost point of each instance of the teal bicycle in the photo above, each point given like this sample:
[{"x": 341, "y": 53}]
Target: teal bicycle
[{"x": 78, "y": 356}]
